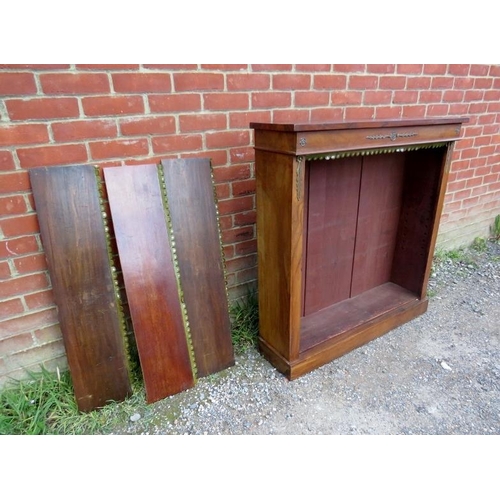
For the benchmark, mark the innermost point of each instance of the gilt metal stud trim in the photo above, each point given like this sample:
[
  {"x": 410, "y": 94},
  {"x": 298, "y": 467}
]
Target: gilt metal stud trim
[{"x": 392, "y": 136}]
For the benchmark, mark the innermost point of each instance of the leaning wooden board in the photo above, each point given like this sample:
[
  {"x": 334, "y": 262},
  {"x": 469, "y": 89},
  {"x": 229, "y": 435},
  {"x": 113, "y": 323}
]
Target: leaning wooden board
[
  {"x": 192, "y": 207},
  {"x": 143, "y": 236},
  {"x": 75, "y": 239}
]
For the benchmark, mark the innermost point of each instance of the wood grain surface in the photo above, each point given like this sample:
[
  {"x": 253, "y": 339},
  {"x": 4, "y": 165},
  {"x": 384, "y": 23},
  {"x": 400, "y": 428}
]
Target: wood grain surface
[
  {"x": 192, "y": 208},
  {"x": 74, "y": 240},
  {"x": 142, "y": 238}
]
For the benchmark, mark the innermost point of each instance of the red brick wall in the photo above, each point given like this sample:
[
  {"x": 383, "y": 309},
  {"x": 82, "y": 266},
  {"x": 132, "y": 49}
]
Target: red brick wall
[{"x": 111, "y": 115}]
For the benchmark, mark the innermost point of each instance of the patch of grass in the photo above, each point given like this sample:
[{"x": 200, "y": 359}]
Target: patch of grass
[
  {"x": 495, "y": 229},
  {"x": 44, "y": 403},
  {"x": 244, "y": 314},
  {"x": 479, "y": 244}
]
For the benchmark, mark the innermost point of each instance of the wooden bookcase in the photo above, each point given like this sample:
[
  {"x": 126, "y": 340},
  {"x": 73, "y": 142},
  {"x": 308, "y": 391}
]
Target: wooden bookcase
[{"x": 347, "y": 218}]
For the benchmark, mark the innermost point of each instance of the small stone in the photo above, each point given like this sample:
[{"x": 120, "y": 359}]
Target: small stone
[
  {"x": 135, "y": 417},
  {"x": 445, "y": 365}
]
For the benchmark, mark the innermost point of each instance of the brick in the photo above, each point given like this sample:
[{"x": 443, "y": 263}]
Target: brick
[
  {"x": 483, "y": 83},
  {"x": 6, "y": 160},
  {"x": 225, "y": 67},
  {"x": 380, "y": 68},
  {"x": 148, "y": 125},
  {"x": 231, "y": 173},
  {"x": 392, "y": 82},
  {"x": 349, "y": 68},
  {"x": 4, "y": 270},
  {"x": 327, "y": 114},
  {"x": 13, "y": 135},
  {"x": 463, "y": 83},
  {"x": 271, "y": 99},
  {"x": 412, "y": 69},
  {"x": 242, "y": 119},
  {"x": 291, "y": 82},
  {"x": 474, "y": 95},
  {"x": 12, "y": 307},
  {"x": 245, "y": 218},
  {"x": 388, "y": 112},
  {"x": 479, "y": 69},
  {"x": 69, "y": 131},
  {"x": 240, "y": 155},
  {"x": 237, "y": 235},
  {"x": 243, "y": 188},
  {"x": 458, "y": 108},
  {"x": 40, "y": 300},
  {"x": 18, "y": 246},
  {"x": 170, "y": 66},
  {"x": 310, "y": 68},
  {"x": 188, "y": 82},
  {"x": 174, "y": 103},
  {"x": 405, "y": 97},
  {"x": 453, "y": 96},
  {"x": 133, "y": 83},
  {"x": 460, "y": 195},
  {"x": 227, "y": 139},
  {"x": 228, "y": 252},
  {"x": 20, "y": 225},
  {"x": 377, "y": 97},
  {"x": 435, "y": 69},
  {"x": 346, "y": 97},
  {"x": 32, "y": 358},
  {"x": 418, "y": 82},
  {"x": 413, "y": 111},
  {"x": 222, "y": 191},
  {"x": 113, "y": 105},
  {"x": 111, "y": 67},
  {"x": 118, "y": 148},
  {"x": 437, "y": 109},
  {"x": 30, "y": 263},
  {"x": 79, "y": 83},
  {"x": 271, "y": 67},
  {"x": 459, "y": 69},
  {"x": 427, "y": 96},
  {"x": 10, "y": 182},
  {"x": 245, "y": 247},
  {"x": 492, "y": 95},
  {"x": 442, "y": 82},
  {"x": 234, "y": 205},
  {"x": 22, "y": 285},
  {"x": 52, "y": 155},
  {"x": 291, "y": 115},
  {"x": 239, "y": 263},
  {"x": 41, "y": 67},
  {"x": 12, "y": 205},
  {"x": 15, "y": 344},
  {"x": 226, "y": 222},
  {"x": 176, "y": 143},
  {"x": 477, "y": 107},
  {"x": 202, "y": 122},
  {"x": 364, "y": 113},
  {"x": 225, "y": 101},
  {"x": 495, "y": 70},
  {"x": 17, "y": 83},
  {"x": 27, "y": 322},
  {"x": 42, "y": 108},
  {"x": 363, "y": 82},
  {"x": 312, "y": 99},
  {"x": 48, "y": 334},
  {"x": 246, "y": 275},
  {"x": 248, "y": 81},
  {"x": 329, "y": 82}
]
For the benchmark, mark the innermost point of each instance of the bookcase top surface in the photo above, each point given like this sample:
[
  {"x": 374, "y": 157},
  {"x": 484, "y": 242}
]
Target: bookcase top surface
[{"x": 323, "y": 126}]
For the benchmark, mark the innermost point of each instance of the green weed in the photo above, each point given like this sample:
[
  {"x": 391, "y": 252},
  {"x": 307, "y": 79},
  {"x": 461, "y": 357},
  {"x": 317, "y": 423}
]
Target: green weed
[
  {"x": 495, "y": 229},
  {"x": 244, "y": 314}
]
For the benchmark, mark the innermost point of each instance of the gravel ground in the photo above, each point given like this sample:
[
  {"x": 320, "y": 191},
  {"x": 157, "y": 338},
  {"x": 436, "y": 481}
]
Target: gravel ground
[{"x": 437, "y": 375}]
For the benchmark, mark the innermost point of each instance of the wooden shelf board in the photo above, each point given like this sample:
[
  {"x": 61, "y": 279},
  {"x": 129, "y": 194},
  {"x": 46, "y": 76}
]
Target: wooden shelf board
[{"x": 344, "y": 316}]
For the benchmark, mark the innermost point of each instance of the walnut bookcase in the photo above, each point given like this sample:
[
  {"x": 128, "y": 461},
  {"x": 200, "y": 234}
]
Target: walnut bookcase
[{"x": 347, "y": 219}]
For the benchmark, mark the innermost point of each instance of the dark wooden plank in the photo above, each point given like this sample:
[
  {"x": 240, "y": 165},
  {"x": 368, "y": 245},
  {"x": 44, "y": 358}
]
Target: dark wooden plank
[
  {"x": 142, "y": 237},
  {"x": 193, "y": 214},
  {"x": 75, "y": 243},
  {"x": 331, "y": 228},
  {"x": 378, "y": 218},
  {"x": 349, "y": 314},
  {"x": 419, "y": 220}
]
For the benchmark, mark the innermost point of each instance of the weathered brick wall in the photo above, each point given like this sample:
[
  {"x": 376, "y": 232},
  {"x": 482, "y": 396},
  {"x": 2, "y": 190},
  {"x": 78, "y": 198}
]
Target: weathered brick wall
[{"x": 111, "y": 115}]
